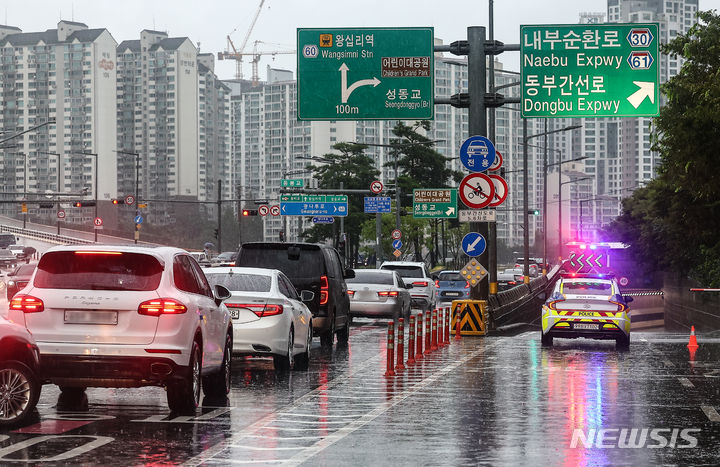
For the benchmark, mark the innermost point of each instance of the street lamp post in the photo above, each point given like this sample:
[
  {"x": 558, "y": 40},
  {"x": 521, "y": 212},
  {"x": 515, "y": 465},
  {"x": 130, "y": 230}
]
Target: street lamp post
[
  {"x": 24, "y": 189},
  {"x": 560, "y": 229},
  {"x": 526, "y": 220},
  {"x": 59, "y": 162},
  {"x": 137, "y": 189},
  {"x": 96, "y": 188}
]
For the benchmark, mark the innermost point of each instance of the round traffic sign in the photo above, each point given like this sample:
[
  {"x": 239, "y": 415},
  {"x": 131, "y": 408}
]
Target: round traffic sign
[
  {"x": 275, "y": 210},
  {"x": 501, "y": 190},
  {"x": 623, "y": 281},
  {"x": 477, "y": 153},
  {"x": 376, "y": 186},
  {"x": 61, "y": 214},
  {"x": 396, "y": 234},
  {"x": 477, "y": 191},
  {"x": 498, "y": 162},
  {"x": 98, "y": 221},
  {"x": 129, "y": 199},
  {"x": 263, "y": 210},
  {"x": 397, "y": 244},
  {"x": 473, "y": 244}
]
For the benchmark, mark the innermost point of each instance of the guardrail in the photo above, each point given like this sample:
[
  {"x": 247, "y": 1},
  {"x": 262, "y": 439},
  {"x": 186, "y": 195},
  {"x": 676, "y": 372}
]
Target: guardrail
[{"x": 44, "y": 236}]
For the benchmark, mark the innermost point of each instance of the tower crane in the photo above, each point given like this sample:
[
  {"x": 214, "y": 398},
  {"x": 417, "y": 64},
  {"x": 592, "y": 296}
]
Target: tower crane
[{"x": 237, "y": 54}]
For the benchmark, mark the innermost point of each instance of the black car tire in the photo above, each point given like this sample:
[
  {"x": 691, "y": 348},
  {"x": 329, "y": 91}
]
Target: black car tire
[
  {"x": 20, "y": 384},
  {"x": 622, "y": 343},
  {"x": 343, "y": 335},
  {"x": 327, "y": 338},
  {"x": 184, "y": 396},
  {"x": 218, "y": 384},
  {"x": 287, "y": 361},
  {"x": 302, "y": 361},
  {"x": 546, "y": 340}
]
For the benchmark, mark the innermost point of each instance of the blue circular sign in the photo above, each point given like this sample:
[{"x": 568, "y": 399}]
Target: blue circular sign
[
  {"x": 473, "y": 244},
  {"x": 477, "y": 153},
  {"x": 397, "y": 244},
  {"x": 138, "y": 219}
]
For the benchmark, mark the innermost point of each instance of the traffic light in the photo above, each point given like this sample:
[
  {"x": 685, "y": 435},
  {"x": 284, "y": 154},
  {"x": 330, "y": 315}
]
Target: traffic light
[
  {"x": 82, "y": 204},
  {"x": 216, "y": 233},
  {"x": 249, "y": 212},
  {"x": 118, "y": 201},
  {"x": 534, "y": 212},
  {"x": 46, "y": 205},
  {"x": 282, "y": 236}
]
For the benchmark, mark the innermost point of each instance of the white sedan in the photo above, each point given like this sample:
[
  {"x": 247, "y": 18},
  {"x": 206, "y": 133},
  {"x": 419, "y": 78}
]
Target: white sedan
[{"x": 269, "y": 317}]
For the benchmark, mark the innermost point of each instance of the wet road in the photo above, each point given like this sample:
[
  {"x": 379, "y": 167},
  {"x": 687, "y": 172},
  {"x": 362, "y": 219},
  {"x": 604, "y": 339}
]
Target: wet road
[{"x": 494, "y": 400}]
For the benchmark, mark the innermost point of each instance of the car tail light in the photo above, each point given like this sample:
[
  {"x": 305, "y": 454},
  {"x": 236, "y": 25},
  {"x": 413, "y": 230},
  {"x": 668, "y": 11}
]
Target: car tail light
[
  {"x": 27, "y": 304},
  {"x": 467, "y": 284},
  {"x": 392, "y": 293},
  {"x": 621, "y": 306},
  {"x": 161, "y": 306},
  {"x": 351, "y": 293},
  {"x": 260, "y": 309},
  {"x": 437, "y": 284},
  {"x": 114, "y": 253},
  {"x": 420, "y": 284},
  {"x": 324, "y": 288},
  {"x": 551, "y": 303},
  {"x": 512, "y": 283}
]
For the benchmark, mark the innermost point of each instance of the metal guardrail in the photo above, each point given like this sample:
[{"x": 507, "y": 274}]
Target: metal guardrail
[{"x": 44, "y": 236}]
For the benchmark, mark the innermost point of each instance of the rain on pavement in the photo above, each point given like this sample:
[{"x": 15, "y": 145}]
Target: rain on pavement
[{"x": 481, "y": 400}]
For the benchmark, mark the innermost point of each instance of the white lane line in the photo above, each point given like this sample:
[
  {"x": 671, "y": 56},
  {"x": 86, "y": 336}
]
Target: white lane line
[
  {"x": 314, "y": 415},
  {"x": 267, "y": 461},
  {"x": 258, "y": 425},
  {"x": 338, "y": 435},
  {"x": 259, "y": 448},
  {"x": 312, "y": 422},
  {"x": 711, "y": 413},
  {"x": 285, "y": 438},
  {"x": 686, "y": 382},
  {"x": 667, "y": 362}
]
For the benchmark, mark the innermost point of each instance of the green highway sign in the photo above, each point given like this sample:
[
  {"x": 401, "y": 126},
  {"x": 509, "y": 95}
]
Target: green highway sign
[
  {"x": 301, "y": 198},
  {"x": 435, "y": 203},
  {"x": 292, "y": 183},
  {"x": 590, "y": 70},
  {"x": 365, "y": 73}
]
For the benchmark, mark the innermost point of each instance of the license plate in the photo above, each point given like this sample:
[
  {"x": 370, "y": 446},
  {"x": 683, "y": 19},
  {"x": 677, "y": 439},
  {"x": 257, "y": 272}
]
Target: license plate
[
  {"x": 90, "y": 317},
  {"x": 590, "y": 327},
  {"x": 453, "y": 294},
  {"x": 235, "y": 314}
]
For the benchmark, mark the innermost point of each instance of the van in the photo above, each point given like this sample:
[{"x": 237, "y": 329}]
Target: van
[
  {"x": 314, "y": 267},
  {"x": 7, "y": 239}
]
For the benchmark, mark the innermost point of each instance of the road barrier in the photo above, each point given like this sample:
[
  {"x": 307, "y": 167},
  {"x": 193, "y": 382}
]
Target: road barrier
[
  {"x": 419, "y": 351},
  {"x": 411, "y": 341},
  {"x": 447, "y": 325},
  {"x": 428, "y": 332},
  {"x": 433, "y": 338},
  {"x": 400, "y": 345},
  {"x": 390, "y": 350},
  {"x": 471, "y": 316}
]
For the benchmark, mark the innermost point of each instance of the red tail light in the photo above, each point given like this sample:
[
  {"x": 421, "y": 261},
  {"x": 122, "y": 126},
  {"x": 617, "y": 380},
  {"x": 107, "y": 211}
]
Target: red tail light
[
  {"x": 260, "y": 309},
  {"x": 437, "y": 284},
  {"x": 621, "y": 306},
  {"x": 392, "y": 293},
  {"x": 161, "y": 306},
  {"x": 351, "y": 293},
  {"x": 27, "y": 304},
  {"x": 512, "y": 283},
  {"x": 420, "y": 284},
  {"x": 323, "y": 290},
  {"x": 467, "y": 285},
  {"x": 552, "y": 306}
]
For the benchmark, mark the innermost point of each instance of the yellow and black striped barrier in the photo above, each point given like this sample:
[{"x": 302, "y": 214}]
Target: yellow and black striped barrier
[{"x": 472, "y": 315}]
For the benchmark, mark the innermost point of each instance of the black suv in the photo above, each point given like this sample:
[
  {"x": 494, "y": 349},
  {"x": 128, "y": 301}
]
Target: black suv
[{"x": 314, "y": 267}]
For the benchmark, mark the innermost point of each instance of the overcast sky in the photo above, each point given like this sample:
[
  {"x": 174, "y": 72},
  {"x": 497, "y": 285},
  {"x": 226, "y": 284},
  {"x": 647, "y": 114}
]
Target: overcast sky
[{"x": 207, "y": 23}]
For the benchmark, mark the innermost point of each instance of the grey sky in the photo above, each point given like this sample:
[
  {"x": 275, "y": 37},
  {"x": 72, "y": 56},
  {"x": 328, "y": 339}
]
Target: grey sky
[{"x": 209, "y": 22}]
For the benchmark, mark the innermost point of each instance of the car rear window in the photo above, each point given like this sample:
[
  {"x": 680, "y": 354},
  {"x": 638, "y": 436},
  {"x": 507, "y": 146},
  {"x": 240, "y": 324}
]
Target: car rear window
[
  {"x": 309, "y": 262},
  {"x": 23, "y": 270},
  {"x": 240, "y": 282},
  {"x": 98, "y": 271},
  {"x": 450, "y": 276},
  {"x": 371, "y": 277},
  {"x": 587, "y": 287},
  {"x": 405, "y": 271}
]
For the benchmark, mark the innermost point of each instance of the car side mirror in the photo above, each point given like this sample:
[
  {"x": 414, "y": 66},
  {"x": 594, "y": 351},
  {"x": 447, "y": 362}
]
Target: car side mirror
[
  {"x": 307, "y": 296},
  {"x": 221, "y": 293},
  {"x": 348, "y": 274}
]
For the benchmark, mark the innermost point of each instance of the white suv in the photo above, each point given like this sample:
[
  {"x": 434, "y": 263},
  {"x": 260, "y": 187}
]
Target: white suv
[
  {"x": 128, "y": 316},
  {"x": 422, "y": 293}
]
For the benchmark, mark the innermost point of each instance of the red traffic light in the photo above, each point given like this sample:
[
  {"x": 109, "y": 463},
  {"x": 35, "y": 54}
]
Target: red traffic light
[
  {"x": 77, "y": 204},
  {"x": 249, "y": 212},
  {"x": 118, "y": 201},
  {"x": 246, "y": 212}
]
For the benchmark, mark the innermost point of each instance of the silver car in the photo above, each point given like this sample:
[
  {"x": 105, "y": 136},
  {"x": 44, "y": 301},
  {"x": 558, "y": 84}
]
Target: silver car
[{"x": 378, "y": 293}]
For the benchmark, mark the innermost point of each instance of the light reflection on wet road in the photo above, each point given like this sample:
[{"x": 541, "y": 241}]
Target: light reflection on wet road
[{"x": 495, "y": 400}]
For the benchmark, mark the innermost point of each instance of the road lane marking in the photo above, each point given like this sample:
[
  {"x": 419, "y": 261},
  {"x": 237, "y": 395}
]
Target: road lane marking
[
  {"x": 260, "y": 448},
  {"x": 667, "y": 362},
  {"x": 686, "y": 382},
  {"x": 711, "y": 413}
]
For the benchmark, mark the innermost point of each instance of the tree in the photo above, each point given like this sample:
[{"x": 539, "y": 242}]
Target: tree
[
  {"x": 356, "y": 171},
  {"x": 674, "y": 222}
]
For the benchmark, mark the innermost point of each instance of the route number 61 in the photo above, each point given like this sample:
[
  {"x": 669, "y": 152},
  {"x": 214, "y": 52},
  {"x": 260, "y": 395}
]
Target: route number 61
[{"x": 310, "y": 51}]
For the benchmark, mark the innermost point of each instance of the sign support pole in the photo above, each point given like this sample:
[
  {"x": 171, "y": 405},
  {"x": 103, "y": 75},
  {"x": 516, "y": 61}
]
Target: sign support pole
[
  {"x": 477, "y": 121},
  {"x": 378, "y": 235},
  {"x": 492, "y": 226}
]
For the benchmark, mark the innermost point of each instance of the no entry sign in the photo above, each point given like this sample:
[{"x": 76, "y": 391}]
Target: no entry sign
[{"x": 477, "y": 191}]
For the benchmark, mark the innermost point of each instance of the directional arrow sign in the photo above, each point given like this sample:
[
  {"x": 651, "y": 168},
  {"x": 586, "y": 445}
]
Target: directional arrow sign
[
  {"x": 435, "y": 203},
  {"x": 473, "y": 244},
  {"x": 365, "y": 73},
  {"x": 589, "y": 70}
]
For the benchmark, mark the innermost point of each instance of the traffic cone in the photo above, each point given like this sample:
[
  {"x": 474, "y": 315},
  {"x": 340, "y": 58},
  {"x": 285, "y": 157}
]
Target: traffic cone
[{"x": 692, "y": 344}]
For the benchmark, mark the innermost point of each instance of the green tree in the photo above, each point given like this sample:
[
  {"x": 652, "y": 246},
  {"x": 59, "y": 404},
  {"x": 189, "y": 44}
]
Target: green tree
[
  {"x": 674, "y": 222},
  {"x": 356, "y": 171}
]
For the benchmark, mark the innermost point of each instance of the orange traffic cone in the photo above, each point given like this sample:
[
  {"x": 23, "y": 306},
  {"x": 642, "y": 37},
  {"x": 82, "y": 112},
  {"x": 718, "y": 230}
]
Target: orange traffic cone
[{"x": 692, "y": 344}]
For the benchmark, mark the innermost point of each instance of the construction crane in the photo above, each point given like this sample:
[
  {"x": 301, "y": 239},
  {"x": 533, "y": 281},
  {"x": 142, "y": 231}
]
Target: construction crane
[
  {"x": 231, "y": 53},
  {"x": 256, "y": 54}
]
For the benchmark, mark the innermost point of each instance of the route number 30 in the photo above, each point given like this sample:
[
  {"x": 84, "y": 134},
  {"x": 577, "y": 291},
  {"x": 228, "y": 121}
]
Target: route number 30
[{"x": 310, "y": 51}]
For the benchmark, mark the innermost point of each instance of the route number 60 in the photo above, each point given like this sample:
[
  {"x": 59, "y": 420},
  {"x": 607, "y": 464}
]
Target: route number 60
[{"x": 310, "y": 51}]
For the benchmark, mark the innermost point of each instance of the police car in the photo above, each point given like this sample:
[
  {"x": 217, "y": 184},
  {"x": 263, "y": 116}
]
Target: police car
[{"x": 586, "y": 305}]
